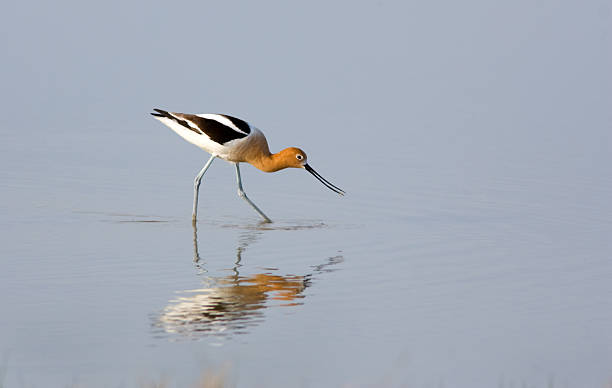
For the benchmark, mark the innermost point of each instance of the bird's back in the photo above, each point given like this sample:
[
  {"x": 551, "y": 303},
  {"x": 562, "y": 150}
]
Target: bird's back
[{"x": 225, "y": 136}]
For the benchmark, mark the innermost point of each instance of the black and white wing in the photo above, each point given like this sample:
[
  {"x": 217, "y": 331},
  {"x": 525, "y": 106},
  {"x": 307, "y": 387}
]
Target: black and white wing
[{"x": 216, "y": 127}]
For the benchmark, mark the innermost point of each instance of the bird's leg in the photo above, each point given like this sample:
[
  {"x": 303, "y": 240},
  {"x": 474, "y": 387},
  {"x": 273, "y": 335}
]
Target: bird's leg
[
  {"x": 243, "y": 195},
  {"x": 196, "y": 254},
  {"x": 196, "y": 187}
]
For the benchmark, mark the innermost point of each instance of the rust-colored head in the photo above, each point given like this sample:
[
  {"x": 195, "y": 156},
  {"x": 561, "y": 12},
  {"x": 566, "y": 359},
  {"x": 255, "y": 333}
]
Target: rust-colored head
[{"x": 292, "y": 157}]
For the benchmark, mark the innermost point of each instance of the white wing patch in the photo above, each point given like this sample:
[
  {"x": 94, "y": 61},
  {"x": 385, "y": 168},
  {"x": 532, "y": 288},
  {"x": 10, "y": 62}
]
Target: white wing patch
[{"x": 220, "y": 119}]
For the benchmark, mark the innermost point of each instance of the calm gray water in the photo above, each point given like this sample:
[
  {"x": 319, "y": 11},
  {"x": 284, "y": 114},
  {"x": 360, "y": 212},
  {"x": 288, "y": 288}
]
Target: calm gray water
[{"x": 473, "y": 248}]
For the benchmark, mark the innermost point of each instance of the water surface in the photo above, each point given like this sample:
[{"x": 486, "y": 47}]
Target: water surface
[{"x": 472, "y": 248}]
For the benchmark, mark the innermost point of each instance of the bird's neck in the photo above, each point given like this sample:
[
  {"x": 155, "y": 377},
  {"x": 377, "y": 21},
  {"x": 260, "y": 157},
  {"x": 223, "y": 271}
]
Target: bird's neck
[{"x": 269, "y": 163}]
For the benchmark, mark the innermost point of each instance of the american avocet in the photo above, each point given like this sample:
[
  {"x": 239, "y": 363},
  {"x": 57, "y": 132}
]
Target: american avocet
[{"x": 236, "y": 141}]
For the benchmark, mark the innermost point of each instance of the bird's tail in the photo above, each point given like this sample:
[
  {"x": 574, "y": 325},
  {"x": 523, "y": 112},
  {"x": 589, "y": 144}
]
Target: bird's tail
[{"x": 162, "y": 113}]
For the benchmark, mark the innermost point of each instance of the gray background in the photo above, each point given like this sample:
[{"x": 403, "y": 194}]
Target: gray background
[{"x": 473, "y": 139}]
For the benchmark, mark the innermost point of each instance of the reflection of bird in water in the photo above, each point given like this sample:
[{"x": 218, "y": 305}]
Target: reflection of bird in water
[{"x": 231, "y": 304}]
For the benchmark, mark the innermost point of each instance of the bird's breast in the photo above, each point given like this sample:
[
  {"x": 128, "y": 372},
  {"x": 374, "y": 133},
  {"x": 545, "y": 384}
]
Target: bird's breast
[{"x": 248, "y": 149}]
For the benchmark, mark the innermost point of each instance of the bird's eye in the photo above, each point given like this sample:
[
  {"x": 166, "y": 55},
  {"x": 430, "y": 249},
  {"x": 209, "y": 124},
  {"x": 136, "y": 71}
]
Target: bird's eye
[{"x": 299, "y": 157}]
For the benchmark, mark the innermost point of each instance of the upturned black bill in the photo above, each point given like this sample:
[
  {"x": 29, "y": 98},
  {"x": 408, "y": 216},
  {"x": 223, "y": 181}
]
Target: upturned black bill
[{"x": 323, "y": 180}]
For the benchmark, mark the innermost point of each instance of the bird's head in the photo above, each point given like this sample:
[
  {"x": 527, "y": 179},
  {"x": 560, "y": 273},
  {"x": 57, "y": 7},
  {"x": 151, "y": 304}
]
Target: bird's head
[
  {"x": 293, "y": 157},
  {"x": 296, "y": 158}
]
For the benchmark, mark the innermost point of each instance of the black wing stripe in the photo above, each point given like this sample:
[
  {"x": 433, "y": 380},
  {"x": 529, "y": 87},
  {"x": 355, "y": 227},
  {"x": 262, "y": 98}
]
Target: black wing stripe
[
  {"x": 163, "y": 113},
  {"x": 240, "y": 124},
  {"x": 217, "y": 132}
]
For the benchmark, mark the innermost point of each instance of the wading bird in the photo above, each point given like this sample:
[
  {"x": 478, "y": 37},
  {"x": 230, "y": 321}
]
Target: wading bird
[{"x": 236, "y": 141}]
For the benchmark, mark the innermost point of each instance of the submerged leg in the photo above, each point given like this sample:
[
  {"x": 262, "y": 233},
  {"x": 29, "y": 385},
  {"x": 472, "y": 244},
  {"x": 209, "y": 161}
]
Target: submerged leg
[
  {"x": 196, "y": 187},
  {"x": 243, "y": 195}
]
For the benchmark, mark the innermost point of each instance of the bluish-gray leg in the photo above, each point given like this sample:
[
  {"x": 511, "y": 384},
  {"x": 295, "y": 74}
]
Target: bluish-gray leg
[
  {"x": 196, "y": 187},
  {"x": 243, "y": 195}
]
